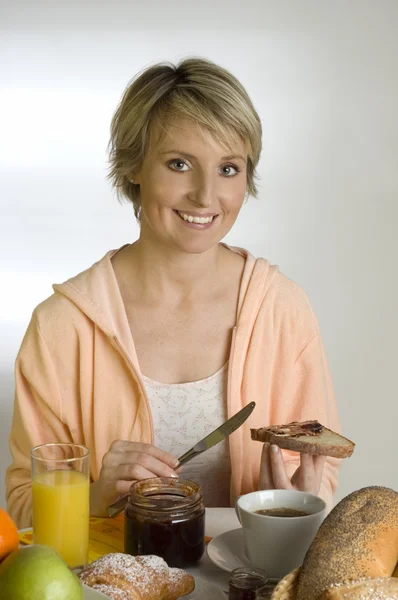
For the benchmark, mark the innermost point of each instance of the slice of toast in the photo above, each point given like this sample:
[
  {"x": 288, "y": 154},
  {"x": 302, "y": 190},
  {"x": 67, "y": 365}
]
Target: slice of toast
[{"x": 306, "y": 436}]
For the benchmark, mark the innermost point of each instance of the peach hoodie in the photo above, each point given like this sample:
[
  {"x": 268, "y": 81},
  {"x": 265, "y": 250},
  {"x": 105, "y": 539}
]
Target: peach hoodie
[{"x": 78, "y": 378}]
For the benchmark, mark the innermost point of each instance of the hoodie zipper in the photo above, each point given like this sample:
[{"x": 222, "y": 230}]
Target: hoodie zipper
[{"x": 115, "y": 342}]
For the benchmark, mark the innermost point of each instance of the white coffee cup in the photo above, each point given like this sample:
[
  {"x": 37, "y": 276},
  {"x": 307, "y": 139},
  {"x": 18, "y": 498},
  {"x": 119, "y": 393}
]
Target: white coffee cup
[{"x": 278, "y": 544}]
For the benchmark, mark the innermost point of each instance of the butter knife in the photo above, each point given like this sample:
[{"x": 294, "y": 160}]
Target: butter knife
[{"x": 210, "y": 440}]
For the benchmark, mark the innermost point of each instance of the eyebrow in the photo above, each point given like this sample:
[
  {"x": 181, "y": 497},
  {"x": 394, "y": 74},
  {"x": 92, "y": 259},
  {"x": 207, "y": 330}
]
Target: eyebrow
[{"x": 182, "y": 153}]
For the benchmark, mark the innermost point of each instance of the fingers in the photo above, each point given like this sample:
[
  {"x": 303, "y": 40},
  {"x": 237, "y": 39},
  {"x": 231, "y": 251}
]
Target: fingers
[
  {"x": 124, "y": 463},
  {"x": 161, "y": 455},
  {"x": 319, "y": 463},
  {"x": 313, "y": 464},
  {"x": 135, "y": 465},
  {"x": 122, "y": 486},
  {"x": 265, "y": 480},
  {"x": 122, "y": 446},
  {"x": 307, "y": 472},
  {"x": 134, "y": 462},
  {"x": 279, "y": 474},
  {"x": 273, "y": 474},
  {"x": 308, "y": 476},
  {"x": 129, "y": 461}
]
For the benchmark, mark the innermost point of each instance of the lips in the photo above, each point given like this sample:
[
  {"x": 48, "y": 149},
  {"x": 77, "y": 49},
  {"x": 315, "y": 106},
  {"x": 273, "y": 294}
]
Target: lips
[
  {"x": 197, "y": 214},
  {"x": 196, "y": 220}
]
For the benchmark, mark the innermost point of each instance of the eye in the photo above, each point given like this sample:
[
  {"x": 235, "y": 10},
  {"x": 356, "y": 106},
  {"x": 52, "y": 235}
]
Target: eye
[
  {"x": 178, "y": 162},
  {"x": 228, "y": 168}
]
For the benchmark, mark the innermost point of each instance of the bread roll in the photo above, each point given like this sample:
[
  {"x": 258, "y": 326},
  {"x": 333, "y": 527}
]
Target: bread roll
[
  {"x": 382, "y": 588},
  {"x": 358, "y": 539}
]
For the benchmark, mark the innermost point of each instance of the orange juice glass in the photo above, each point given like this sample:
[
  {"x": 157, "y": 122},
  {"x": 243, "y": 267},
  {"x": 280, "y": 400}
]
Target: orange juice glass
[{"x": 61, "y": 499}]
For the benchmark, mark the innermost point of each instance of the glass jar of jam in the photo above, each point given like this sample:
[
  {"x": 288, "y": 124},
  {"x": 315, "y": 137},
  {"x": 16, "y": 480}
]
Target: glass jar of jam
[
  {"x": 246, "y": 583},
  {"x": 165, "y": 516}
]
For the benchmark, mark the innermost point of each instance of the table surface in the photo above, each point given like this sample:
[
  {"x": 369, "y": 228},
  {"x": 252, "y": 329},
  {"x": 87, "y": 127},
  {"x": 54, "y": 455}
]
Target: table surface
[{"x": 218, "y": 520}]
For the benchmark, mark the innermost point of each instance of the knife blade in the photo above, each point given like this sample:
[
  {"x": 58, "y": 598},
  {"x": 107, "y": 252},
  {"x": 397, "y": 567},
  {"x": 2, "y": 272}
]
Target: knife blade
[
  {"x": 207, "y": 442},
  {"x": 218, "y": 434}
]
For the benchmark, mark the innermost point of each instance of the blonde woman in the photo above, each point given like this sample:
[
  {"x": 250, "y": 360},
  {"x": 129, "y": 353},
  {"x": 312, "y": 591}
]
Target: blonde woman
[{"x": 160, "y": 341}]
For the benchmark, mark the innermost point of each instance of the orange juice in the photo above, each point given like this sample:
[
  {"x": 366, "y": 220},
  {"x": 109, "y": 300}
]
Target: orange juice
[{"x": 61, "y": 513}]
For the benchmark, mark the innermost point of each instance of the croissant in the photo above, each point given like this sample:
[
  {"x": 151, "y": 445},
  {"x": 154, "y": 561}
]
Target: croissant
[{"x": 125, "y": 577}]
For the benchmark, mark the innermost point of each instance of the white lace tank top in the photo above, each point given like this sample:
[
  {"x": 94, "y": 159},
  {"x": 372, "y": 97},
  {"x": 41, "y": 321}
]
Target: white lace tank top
[{"x": 183, "y": 414}]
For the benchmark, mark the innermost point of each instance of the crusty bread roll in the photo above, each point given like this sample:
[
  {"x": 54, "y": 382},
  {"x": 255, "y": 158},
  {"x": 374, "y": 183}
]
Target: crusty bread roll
[
  {"x": 125, "y": 577},
  {"x": 285, "y": 589},
  {"x": 382, "y": 588},
  {"x": 359, "y": 538},
  {"x": 305, "y": 436}
]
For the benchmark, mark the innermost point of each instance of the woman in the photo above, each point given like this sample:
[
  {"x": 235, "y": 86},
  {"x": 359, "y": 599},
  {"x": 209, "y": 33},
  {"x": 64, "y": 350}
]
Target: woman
[{"x": 159, "y": 342}]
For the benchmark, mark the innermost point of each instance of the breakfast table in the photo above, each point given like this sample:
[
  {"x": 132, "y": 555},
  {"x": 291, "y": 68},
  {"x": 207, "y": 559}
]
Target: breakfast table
[
  {"x": 106, "y": 535},
  {"x": 218, "y": 521}
]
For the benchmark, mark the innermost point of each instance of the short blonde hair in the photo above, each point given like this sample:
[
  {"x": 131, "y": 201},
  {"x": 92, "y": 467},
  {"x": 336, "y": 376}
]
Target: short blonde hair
[{"x": 196, "y": 89}]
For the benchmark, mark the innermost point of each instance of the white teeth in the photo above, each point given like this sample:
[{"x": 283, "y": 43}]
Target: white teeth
[{"x": 191, "y": 219}]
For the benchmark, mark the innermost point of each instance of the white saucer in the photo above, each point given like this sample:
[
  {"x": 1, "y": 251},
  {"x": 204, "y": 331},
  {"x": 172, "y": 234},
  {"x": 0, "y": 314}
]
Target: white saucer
[
  {"x": 227, "y": 550},
  {"x": 90, "y": 594}
]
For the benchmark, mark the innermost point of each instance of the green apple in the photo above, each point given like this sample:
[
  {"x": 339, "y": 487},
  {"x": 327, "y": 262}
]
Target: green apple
[{"x": 37, "y": 573}]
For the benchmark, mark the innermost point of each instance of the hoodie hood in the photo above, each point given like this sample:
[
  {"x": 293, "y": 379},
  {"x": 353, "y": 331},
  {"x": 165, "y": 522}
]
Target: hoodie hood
[{"x": 96, "y": 293}]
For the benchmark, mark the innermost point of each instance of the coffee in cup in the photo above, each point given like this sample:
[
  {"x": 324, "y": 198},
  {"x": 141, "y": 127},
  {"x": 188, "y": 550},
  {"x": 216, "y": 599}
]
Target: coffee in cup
[{"x": 281, "y": 512}]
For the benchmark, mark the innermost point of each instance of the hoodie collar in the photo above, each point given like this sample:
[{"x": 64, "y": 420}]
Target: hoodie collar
[{"x": 96, "y": 293}]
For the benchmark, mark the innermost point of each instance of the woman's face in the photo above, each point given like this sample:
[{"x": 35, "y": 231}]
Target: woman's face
[{"x": 191, "y": 191}]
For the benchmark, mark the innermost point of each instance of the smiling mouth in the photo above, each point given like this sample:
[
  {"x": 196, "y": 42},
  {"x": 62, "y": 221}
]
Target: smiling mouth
[{"x": 196, "y": 220}]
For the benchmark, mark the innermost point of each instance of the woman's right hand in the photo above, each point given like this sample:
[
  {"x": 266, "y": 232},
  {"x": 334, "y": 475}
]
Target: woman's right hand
[{"x": 124, "y": 463}]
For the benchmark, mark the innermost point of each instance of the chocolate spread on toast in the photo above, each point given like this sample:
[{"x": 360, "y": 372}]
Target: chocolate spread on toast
[{"x": 295, "y": 429}]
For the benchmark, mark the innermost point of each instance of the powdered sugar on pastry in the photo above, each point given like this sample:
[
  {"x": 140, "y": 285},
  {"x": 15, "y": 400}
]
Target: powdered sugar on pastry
[
  {"x": 112, "y": 592},
  {"x": 138, "y": 577},
  {"x": 148, "y": 575}
]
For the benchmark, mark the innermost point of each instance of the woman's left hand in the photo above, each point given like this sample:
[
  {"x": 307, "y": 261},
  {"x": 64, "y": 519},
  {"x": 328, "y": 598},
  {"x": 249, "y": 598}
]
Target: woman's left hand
[{"x": 273, "y": 475}]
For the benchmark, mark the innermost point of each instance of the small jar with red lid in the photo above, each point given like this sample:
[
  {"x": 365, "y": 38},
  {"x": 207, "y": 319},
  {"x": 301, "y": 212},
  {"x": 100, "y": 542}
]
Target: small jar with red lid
[{"x": 166, "y": 516}]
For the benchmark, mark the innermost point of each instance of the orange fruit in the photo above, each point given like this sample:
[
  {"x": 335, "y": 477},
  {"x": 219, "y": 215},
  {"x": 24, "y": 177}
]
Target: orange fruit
[{"x": 9, "y": 540}]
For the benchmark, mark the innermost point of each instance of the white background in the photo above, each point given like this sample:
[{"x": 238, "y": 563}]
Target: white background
[{"x": 323, "y": 76}]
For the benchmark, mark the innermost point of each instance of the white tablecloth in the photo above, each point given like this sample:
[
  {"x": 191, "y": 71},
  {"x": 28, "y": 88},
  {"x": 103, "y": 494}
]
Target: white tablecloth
[{"x": 218, "y": 520}]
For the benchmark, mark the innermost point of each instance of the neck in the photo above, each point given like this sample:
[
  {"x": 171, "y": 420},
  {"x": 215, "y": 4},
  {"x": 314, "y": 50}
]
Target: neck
[{"x": 168, "y": 273}]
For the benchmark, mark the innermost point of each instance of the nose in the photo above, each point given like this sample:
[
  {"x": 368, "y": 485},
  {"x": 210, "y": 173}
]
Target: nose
[{"x": 204, "y": 191}]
